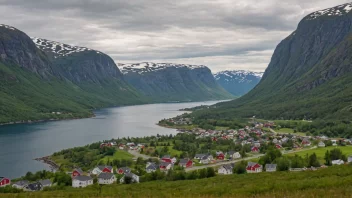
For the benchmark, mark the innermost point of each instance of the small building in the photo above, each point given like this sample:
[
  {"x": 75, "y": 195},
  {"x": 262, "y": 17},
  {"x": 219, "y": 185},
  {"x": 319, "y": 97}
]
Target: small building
[
  {"x": 206, "y": 159},
  {"x": 334, "y": 142},
  {"x": 337, "y": 162},
  {"x": 199, "y": 156},
  {"x": 82, "y": 181},
  {"x": 186, "y": 163},
  {"x": 4, "y": 181},
  {"x": 165, "y": 166},
  {"x": 77, "y": 172},
  {"x": 20, "y": 184},
  {"x": 33, "y": 187},
  {"x": 220, "y": 155},
  {"x": 167, "y": 158},
  {"x": 255, "y": 149},
  {"x": 349, "y": 159},
  {"x": 234, "y": 155},
  {"x": 45, "y": 183},
  {"x": 306, "y": 142},
  {"x": 151, "y": 167},
  {"x": 226, "y": 169},
  {"x": 123, "y": 170},
  {"x": 102, "y": 169},
  {"x": 321, "y": 144},
  {"x": 106, "y": 178},
  {"x": 270, "y": 167},
  {"x": 254, "y": 167},
  {"x": 134, "y": 177}
]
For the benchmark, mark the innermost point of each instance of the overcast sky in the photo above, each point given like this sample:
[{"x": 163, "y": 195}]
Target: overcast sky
[{"x": 222, "y": 34}]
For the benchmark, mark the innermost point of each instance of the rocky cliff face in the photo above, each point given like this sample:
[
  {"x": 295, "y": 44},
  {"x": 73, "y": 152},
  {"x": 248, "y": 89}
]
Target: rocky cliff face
[
  {"x": 238, "y": 82},
  {"x": 309, "y": 75},
  {"x": 173, "y": 82},
  {"x": 17, "y": 48}
]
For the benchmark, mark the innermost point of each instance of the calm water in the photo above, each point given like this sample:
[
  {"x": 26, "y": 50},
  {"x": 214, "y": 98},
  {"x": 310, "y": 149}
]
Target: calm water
[{"x": 20, "y": 144}]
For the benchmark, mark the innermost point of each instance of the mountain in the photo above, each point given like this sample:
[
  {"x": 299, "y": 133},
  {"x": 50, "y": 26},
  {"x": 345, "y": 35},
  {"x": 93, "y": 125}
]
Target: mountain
[
  {"x": 309, "y": 76},
  {"x": 37, "y": 79},
  {"x": 238, "y": 82},
  {"x": 173, "y": 82}
]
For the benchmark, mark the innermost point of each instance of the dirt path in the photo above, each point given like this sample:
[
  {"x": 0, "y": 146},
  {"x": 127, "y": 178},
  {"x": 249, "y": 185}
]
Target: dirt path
[{"x": 137, "y": 154}]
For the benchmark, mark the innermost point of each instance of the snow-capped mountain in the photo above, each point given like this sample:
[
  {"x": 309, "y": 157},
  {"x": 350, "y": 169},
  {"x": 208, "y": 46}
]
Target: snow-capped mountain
[
  {"x": 238, "y": 82},
  {"x": 145, "y": 67},
  {"x": 335, "y": 11}
]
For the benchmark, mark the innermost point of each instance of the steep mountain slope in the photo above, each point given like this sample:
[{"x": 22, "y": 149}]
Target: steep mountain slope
[
  {"x": 238, "y": 82},
  {"x": 173, "y": 82},
  {"x": 35, "y": 83},
  {"x": 309, "y": 75}
]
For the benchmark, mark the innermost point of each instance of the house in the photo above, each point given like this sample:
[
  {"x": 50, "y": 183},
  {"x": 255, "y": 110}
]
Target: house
[
  {"x": 337, "y": 162},
  {"x": 135, "y": 178},
  {"x": 226, "y": 169},
  {"x": 334, "y": 142},
  {"x": 186, "y": 163},
  {"x": 206, "y": 159},
  {"x": 278, "y": 146},
  {"x": 321, "y": 144},
  {"x": 234, "y": 155},
  {"x": 255, "y": 149},
  {"x": 123, "y": 170},
  {"x": 199, "y": 156},
  {"x": 254, "y": 167},
  {"x": 45, "y": 183},
  {"x": 102, "y": 169},
  {"x": 82, "y": 181},
  {"x": 220, "y": 155},
  {"x": 4, "y": 181},
  {"x": 20, "y": 184},
  {"x": 270, "y": 167},
  {"x": 165, "y": 166},
  {"x": 77, "y": 172},
  {"x": 306, "y": 142},
  {"x": 33, "y": 187},
  {"x": 349, "y": 160},
  {"x": 151, "y": 167},
  {"x": 167, "y": 158},
  {"x": 106, "y": 178}
]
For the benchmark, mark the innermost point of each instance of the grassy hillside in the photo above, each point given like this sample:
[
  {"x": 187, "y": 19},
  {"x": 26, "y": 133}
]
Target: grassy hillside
[{"x": 330, "y": 182}]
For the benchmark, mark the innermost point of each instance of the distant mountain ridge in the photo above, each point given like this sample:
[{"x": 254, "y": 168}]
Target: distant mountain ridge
[
  {"x": 309, "y": 76},
  {"x": 173, "y": 82},
  {"x": 238, "y": 82}
]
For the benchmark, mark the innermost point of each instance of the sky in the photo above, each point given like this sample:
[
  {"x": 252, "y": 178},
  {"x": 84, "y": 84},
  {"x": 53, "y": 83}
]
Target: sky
[{"x": 221, "y": 34}]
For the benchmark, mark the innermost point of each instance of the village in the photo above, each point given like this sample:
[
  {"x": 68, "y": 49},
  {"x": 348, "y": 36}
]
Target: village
[{"x": 197, "y": 151}]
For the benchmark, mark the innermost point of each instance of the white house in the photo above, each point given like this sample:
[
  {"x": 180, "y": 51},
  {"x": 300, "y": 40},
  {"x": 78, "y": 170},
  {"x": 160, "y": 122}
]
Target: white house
[
  {"x": 135, "y": 178},
  {"x": 20, "y": 184},
  {"x": 106, "y": 178},
  {"x": 337, "y": 162},
  {"x": 82, "y": 181},
  {"x": 206, "y": 159},
  {"x": 270, "y": 167},
  {"x": 334, "y": 142},
  {"x": 226, "y": 169},
  {"x": 349, "y": 160},
  {"x": 321, "y": 144},
  {"x": 234, "y": 155},
  {"x": 102, "y": 169},
  {"x": 45, "y": 183}
]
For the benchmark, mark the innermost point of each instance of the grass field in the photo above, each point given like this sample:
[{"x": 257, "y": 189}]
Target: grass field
[
  {"x": 290, "y": 131},
  {"x": 320, "y": 152},
  {"x": 119, "y": 155},
  {"x": 329, "y": 182}
]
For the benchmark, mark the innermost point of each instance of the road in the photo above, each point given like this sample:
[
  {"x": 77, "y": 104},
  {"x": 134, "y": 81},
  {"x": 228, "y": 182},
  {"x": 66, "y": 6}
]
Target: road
[{"x": 234, "y": 161}]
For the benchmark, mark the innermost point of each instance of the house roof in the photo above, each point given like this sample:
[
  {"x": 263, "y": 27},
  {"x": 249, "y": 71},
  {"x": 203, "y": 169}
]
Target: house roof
[
  {"x": 228, "y": 166},
  {"x": 131, "y": 175},
  {"x": 35, "y": 186},
  {"x": 167, "y": 156},
  {"x": 205, "y": 157},
  {"x": 104, "y": 166},
  {"x": 82, "y": 178},
  {"x": 165, "y": 163},
  {"x": 184, "y": 161},
  {"x": 200, "y": 155},
  {"x": 125, "y": 169},
  {"x": 232, "y": 152},
  {"x": 45, "y": 182},
  {"x": 270, "y": 166},
  {"x": 105, "y": 175},
  {"x": 152, "y": 166},
  {"x": 78, "y": 170},
  {"x": 22, "y": 183}
]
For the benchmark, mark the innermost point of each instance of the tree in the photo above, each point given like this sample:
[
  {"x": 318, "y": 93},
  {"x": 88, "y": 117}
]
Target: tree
[
  {"x": 240, "y": 167},
  {"x": 313, "y": 160},
  {"x": 202, "y": 173},
  {"x": 297, "y": 162},
  {"x": 327, "y": 158},
  {"x": 127, "y": 180},
  {"x": 283, "y": 164},
  {"x": 210, "y": 172}
]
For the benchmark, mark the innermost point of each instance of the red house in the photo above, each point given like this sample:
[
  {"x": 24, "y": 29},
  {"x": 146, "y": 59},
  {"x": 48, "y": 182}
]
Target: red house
[
  {"x": 77, "y": 172},
  {"x": 166, "y": 158},
  {"x": 4, "y": 181},
  {"x": 255, "y": 149},
  {"x": 123, "y": 170},
  {"x": 254, "y": 167},
  {"x": 278, "y": 146},
  {"x": 220, "y": 156},
  {"x": 186, "y": 163}
]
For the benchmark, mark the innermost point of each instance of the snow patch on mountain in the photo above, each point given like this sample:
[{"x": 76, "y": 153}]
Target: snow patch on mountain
[
  {"x": 240, "y": 76},
  {"x": 7, "y": 26},
  {"x": 58, "y": 49},
  {"x": 335, "y": 11},
  {"x": 144, "y": 67}
]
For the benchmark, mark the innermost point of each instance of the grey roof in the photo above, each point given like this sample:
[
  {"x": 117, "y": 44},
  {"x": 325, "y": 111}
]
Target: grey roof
[
  {"x": 45, "y": 182},
  {"x": 167, "y": 156},
  {"x": 270, "y": 166},
  {"x": 105, "y": 175},
  {"x": 35, "y": 186},
  {"x": 22, "y": 183},
  {"x": 232, "y": 152},
  {"x": 82, "y": 178},
  {"x": 228, "y": 166},
  {"x": 205, "y": 157},
  {"x": 78, "y": 170},
  {"x": 131, "y": 175},
  {"x": 165, "y": 163},
  {"x": 251, "y": 163},
  {"x": 104, "y": 166},
  {"x": 184, "y": 161},
  {"x": 125, "y": 169},
  {"x": 152, "y": 166},
  {"x": 200, "y": 155}
]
